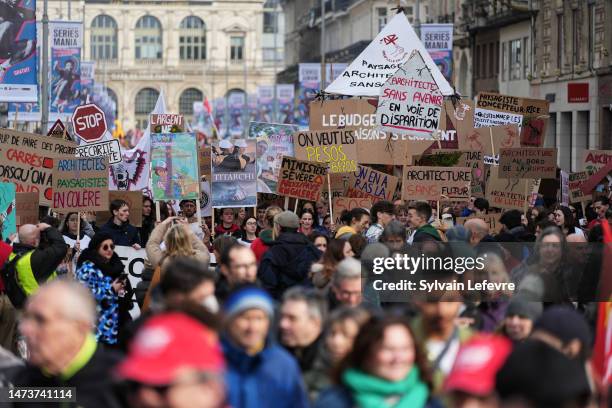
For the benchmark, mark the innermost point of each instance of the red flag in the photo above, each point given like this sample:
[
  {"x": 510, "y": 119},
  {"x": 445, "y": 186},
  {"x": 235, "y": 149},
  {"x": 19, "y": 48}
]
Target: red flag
[
  {"x": 207, "y": 106},
  {"x": 605, "y": 278},
  {"x": 602, "y": 352}
]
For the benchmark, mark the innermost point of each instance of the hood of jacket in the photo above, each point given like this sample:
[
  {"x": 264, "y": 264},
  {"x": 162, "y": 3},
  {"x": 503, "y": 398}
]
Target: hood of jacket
[
  {"x": 112, "y": 268},
  {"x": 266, "y": 237},
  {"x": 428, "y": 229}
]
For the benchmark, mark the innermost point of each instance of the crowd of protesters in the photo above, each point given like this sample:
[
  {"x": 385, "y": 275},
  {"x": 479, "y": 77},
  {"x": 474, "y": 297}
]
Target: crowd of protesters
[{"x": 273, "y": 309}]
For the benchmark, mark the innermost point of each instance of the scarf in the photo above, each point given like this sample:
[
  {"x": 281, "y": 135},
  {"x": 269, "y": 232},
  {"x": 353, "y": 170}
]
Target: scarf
[{"x": 373, "y": 392}]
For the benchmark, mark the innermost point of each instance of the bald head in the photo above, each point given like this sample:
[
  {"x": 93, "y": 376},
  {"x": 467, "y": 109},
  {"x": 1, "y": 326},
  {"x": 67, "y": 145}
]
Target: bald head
[
  {"x": 29, "y": 234},
  {"x": 478, "y": 229},
  {"x": 576, "y": 238},
  {"x": 68, "y": 299}
]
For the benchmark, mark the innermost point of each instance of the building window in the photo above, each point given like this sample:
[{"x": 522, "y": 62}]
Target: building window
[
  {"x": 144, "y": 105},
  {"x": 381, "y": 15},
  {"x": 526, "y": 57},
  {"x": 504, "y": 62},
  {"x": 148, "y": 38},
  {"x": 103, "y": 38},
  {"x": 186, "y": 100},
  {"x": 270, "y": 21},
  {"x": 515, "y": 59},
  {"x": 192, "y": 39},
  {"x": 236, "y": 48},
  {"x": 560, "y": 41}
]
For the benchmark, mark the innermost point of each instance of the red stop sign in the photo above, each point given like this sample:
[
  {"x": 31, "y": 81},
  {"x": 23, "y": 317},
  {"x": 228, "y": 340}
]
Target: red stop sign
[{"x": 89, "y": 122}]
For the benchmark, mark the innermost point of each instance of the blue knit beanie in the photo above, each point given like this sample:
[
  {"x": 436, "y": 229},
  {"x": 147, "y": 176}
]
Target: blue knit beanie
[{"x": 248, "y": 297}]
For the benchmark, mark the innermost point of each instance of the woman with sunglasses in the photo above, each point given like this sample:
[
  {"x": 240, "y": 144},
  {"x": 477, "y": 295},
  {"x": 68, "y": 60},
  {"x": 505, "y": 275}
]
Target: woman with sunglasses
[{"x": 101, "y": 270}]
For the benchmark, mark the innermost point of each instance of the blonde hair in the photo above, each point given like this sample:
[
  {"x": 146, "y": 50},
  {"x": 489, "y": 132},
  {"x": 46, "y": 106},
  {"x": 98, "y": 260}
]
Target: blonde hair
[{"x": 178, "y": 242}]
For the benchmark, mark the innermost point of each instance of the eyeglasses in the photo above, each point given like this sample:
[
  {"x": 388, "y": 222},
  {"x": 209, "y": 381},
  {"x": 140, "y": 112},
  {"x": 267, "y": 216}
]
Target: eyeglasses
[{"x": 107, "y": 247}]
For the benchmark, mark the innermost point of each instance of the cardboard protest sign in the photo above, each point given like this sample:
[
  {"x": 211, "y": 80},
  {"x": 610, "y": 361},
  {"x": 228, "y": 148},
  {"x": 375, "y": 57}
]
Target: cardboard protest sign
[
  {"x": 367, "y": 182},
  {"x": 134, "y": 200},
  {"x": 80, "y": 185},
  {"x": 204, "y": 161},
  {"x": 340, "y": 204},
  {"x": 576, "y": 180},
  {"x": 410, "y": 101},
  {"x": 507, "y": 193},
  {"x": 7, "y": 209},
  {"x": 301, "y": 179},
  {"x": 336, "y": 147},
  {"x": 234, "y": 175},
  {"x": 339, "y": 181},
  {"x": 26, "y": 208},
  {"x": 594, "y": 160},
  {"x": 273, "y": 142},
  {"x": 495, "y": 226},
  {"x": 174, "y": 169},
  {"x": 531, "y": 115},
  {"x": 457, "y": 158},
  {"x": 166, "y": 123},
  {"x": 382, "y": 58},
  {"x": 595, "y": 179},
  {"x": 436, "y": 183},
  {"x": 490, "y": 140},
  {"x": 528, "y": 162},
  {"x": 27, "y": 160}
]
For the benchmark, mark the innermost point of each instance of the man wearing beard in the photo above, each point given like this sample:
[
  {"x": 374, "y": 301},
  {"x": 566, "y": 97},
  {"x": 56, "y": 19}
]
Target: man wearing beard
[{"x": 189, "y": 208}]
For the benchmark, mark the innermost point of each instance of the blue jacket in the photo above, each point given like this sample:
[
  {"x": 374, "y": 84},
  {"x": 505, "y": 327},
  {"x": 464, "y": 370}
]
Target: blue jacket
[
  {"x": 340, "y": 397},
  {"x": 270, "y": 378},
  {"x": 123, "y": 235}
]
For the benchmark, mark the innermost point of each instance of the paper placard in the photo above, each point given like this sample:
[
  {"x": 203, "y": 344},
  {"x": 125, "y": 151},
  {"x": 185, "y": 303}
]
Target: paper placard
[
  {"x": 436, "y": 183},
  {"x": 301, "y": 179},
  {"x": 507, "y": 193},
  {"x": 367, "y": 182},
  {"x": 336, "y": 147},
  {"x": 576, "y": 180},
  {"x": 528, "y": 163}
]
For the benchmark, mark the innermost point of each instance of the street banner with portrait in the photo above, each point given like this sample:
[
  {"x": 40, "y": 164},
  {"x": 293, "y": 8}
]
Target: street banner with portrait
[{"x": 66, "y": 44}]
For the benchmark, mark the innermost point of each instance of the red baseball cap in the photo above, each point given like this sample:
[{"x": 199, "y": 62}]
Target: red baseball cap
[
  {"x": 167, "y": 343},
  {"x": 477, "y": 363}
]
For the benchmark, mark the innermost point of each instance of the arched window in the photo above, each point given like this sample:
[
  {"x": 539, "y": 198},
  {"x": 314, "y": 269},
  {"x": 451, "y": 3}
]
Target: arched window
[
  {"x": 192, "y": 39},
  {"x": 113, "y": 97},
  {"x": 186, "y": 100},
  {"x": 103, "y": 38},
  {"x": 144, "y": 104},
  {"x": 148, "y": 36}
]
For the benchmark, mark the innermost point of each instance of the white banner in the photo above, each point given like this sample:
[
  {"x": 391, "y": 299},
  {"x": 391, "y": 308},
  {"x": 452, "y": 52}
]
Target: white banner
[{"x": 133, "y": 260}]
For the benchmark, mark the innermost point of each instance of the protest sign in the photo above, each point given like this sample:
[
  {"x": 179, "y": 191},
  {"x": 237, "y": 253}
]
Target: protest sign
[
  {"x": 167, "y": 123},
  {"x": 107, "y": 148},
  {"x": 301, "y": 179},
  {"x": 410, "y": 101},
  {"x": 134, "y": 201},
  {"x": 205, "y": 200},
  {"x": 18, "y": 80},
  {"x": 26, "y": 208},
  {"x": 436, "y": 183},
  {"x": 528, "y": 162},
  {"x": 7, "y": 209},
  {"x": 492, "y": 220},
  {"x": 132, "y": 173},
  {"x": 336, "y": 147},
  {"x": 530, "y": 115},
  {"x": 133, "y": 262},
  {"x": 507, "y": 193},
  {"x": 597, "y": 178},
  {"x": 80, "y": 184},
  {"x": 273, "y": 142},
  {"x": 340, "y": 204},
  {"x": 174, "y": 168},
  {"x": 367, "y": 182},
  {"x": 564, "y": 188},
  {"x": 594, "y": 160},
  {"x": 457, "y": 158},
  {"x": 576, "y": 180},
  {"x": 490, "y": 140},
  {"x": 234, "y": 175},
  {"x": 382, "y": 58},
  {"x": 204, "y": 161},
  {"x": 26, "y": 159}
]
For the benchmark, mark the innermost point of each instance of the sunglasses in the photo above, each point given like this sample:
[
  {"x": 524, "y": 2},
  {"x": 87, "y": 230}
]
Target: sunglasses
[{"x": 107, "y": 247}]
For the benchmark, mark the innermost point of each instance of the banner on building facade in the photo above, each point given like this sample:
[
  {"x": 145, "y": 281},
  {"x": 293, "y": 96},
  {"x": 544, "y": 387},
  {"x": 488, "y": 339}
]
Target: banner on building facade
[
  {"x": 66, "y": 41},
  {"x": 438, "y": 41}
]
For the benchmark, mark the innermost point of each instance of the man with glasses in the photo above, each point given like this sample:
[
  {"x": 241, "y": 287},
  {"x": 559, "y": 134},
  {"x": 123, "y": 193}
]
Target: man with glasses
[
  {"x": 57, "y": 325},
  {"x": 346, "y": 284},
  {"x": 237, "y": 265},
  {"x": 189, "y": 208}
]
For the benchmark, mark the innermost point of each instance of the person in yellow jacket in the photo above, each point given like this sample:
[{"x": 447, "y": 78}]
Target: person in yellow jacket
[{"x": 37, "y": 262}]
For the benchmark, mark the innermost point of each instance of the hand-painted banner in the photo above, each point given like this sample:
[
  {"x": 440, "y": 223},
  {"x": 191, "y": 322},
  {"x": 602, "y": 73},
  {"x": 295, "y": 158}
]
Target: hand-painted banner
[
  {"x": 26, "y": 159},
  {"x": 301, "y": 179},
  {"x": 234, "y": 175},
  {"x": 134, "y": 200},
  {"x": 26, "y": 208},
  {"x": 273, "y": 142},
  {"x": 490, "y": 140},
  {"x": 594, "y": 160},
  {"x": 132, "y": 174},
  {"x": 18, "y": 52},
  {"x": 80, "y": 184},
  {"x": 531, "y": 115},
  {"x": 66, "y": 44},
  {"x": 410, "y": 101},
  {"x": 340, "y": 204},
  {"x": 436, "y": 183},
  {"x": 7, "y": 209},
  {"x": 336, "y": 147},
  {"x": 528, "y": 162},
  {"x": 367, "y": 182},
  {"x": 174, "y": 168},
  {"x": 508, "y": 193},
  {"x": 458, "y": 158},
  {"x": 575, "y": 182}
]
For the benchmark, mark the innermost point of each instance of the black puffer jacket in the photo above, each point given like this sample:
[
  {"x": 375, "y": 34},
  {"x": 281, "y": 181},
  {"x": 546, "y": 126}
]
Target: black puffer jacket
[{"x": 287, "y": 262}]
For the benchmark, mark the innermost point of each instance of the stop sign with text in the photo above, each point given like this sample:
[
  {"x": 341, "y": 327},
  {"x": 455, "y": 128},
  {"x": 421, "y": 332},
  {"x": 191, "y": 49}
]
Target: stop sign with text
[{"x": 89, "y": 122}]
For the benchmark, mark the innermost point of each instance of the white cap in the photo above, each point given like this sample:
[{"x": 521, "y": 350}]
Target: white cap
[
  {"x": 240, "y": 143},
  {"x": 226, "y": 144}
]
